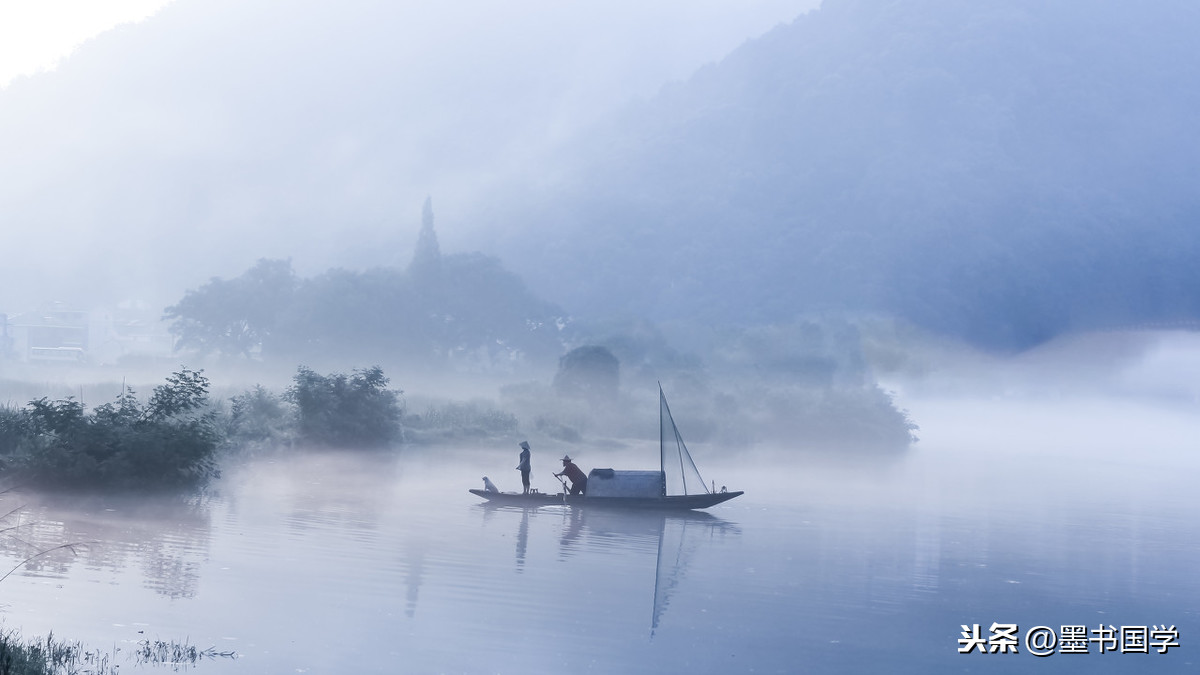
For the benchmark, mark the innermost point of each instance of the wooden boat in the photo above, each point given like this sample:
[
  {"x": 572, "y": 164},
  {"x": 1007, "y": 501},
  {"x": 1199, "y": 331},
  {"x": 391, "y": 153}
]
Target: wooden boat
[
  {"x": 662, "y": 489},
  {"x": 696, "y": 501}
]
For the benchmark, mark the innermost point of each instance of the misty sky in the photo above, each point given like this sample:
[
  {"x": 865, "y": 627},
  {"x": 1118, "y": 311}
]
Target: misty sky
[
  {"x": 919, "y": 159},
  {"x": 212, "y": 134},
  {"x": 35, "y": 36}
]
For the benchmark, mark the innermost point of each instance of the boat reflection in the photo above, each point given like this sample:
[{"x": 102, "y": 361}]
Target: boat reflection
[
  {"x": 675, "y": 538},
  {"x": 522, "y": 540},
  {"x": 679, "y": 537},
  {"x": 413, "y": 578}
]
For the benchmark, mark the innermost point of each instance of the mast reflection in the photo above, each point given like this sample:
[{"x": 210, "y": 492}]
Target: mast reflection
[{"x": 675, "y": 537}]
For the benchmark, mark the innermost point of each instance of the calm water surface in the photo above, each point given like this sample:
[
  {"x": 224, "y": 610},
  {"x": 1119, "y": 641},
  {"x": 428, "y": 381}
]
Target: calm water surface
[{"x": 1048, "y": 513}]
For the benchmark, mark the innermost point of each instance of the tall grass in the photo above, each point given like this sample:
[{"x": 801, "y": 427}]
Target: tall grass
[
  {"x": 51, "y": 656},
  {"x": 54, "y": 656}
]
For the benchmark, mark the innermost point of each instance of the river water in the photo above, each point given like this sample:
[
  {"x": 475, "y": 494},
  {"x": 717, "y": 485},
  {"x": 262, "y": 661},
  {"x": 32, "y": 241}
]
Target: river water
[{"x": 1051, "y": 512}]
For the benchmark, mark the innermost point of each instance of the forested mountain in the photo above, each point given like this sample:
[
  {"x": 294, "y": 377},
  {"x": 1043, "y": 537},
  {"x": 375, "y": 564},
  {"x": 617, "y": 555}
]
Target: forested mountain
[
  {"x": 1001, "y": 172},
  {"x": 219, "y": 132}
]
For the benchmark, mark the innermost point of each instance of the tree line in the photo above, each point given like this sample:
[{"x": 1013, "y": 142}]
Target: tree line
[
  {"x": 173, "y": 439},
  {"x": 462, "y": 307}
]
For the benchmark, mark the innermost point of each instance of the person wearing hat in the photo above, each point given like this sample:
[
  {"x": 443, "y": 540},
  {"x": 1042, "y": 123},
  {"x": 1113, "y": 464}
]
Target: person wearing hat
[
  {"x": 523, "y": 465},
  {"x": 578, "y": 480}
]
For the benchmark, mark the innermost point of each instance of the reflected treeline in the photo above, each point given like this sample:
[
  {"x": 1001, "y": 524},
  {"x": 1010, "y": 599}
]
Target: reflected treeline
[{"x": 166, "y": 538}]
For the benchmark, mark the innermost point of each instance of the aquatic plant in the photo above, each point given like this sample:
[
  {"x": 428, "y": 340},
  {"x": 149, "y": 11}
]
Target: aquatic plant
[
  {"x": 54, "y": 656},
  {"x": 175, "y": 653},
  {"x": 51, "y": 656}
]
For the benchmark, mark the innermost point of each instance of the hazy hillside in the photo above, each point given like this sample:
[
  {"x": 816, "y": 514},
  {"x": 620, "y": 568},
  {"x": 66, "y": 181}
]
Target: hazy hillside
[
  {"x": 217, "y": 133},
  {"x": 1001, "y": 172}
]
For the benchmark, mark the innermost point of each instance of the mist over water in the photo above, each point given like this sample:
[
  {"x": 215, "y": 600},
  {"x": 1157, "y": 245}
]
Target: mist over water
[
  {"x": 973, "y": 218},
  {"x": 1045, "y": 508}
]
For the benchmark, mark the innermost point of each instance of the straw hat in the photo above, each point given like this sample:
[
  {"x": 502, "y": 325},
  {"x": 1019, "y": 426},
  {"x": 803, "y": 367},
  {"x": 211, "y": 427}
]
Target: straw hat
[{"x": 566, "y": 458}]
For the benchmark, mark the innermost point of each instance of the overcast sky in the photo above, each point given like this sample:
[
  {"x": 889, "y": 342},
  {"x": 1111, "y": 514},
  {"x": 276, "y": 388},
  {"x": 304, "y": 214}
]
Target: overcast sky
[
  {"x": 35, "y": 35},
  {"x": 217, "y": 121}
]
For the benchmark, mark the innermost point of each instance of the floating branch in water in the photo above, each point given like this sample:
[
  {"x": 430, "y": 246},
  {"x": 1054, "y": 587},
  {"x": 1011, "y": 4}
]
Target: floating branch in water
[
  {"x": 70, "y": 547},
  {"x": 40, "y": 552}
]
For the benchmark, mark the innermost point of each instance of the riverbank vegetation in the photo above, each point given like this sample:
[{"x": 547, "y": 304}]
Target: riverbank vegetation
[
  {"x": 177, "y": 437},
  {"x": 173, "y": 438},
  {"x": 54, "y": 656},
  {"x": 168, "y": 441},
  {"x": 467, "y": 318},
  {"x": 48, "y": 656}
]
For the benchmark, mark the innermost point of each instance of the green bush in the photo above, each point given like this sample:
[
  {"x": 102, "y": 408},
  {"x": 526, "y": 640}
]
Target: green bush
[
  {"x": 168, "y": 442},
  {"x": 15, "y": 430},
  {"x": 259, "y": 417},
  {"x": 345, "y": 411}
]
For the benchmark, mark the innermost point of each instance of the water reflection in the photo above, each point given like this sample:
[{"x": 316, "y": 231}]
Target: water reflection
[
  {"x": 341, "y": 494},
  {"x": 674, "y": 538},
  {"x": 166, "y": 538},
  {"x": 677, "y": 544},
  {"x": 412, "y": 578},
  {"x": 318, "y": 564},
  {"x": 568, "y": 544},
  {"x": 522, "y": 539}
]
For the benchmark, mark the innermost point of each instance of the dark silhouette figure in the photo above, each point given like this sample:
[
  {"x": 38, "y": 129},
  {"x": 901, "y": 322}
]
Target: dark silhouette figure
[
  {"x": 578, "y": 479},
  {"x": 523, "y": 466}
]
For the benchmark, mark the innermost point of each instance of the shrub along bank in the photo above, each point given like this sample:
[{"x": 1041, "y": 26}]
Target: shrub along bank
[
  {"x": 168, "y": 441},
  {"x": 172, "y": 439}
]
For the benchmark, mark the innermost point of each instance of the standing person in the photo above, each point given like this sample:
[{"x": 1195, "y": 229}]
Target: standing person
[
  {"x": 578, "y": 480},
  {"x": 523, "y": 465}
]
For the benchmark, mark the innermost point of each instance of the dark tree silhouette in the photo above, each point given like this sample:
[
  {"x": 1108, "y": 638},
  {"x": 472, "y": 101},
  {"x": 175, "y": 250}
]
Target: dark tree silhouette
[
  {"x": 340, "y": 411},
  {"x": 589, "y": 372},
  {"x": 235, "y": 317}
]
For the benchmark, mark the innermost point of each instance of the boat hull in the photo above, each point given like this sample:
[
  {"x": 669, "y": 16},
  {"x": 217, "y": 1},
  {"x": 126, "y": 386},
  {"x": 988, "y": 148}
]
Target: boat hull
[{"x": 701, "y": 501}]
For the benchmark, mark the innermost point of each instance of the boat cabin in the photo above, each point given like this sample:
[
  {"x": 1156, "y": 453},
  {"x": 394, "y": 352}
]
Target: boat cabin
[{"x": 612, "y": 483}]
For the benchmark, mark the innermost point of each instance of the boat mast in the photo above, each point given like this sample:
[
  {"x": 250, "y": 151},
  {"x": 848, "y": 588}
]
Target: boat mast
[
  {"x": 678, "y": 443},
  {"x": 665, "y": 418},
  {"x": 662, "y": 435},
  {"x": 662, "y": 445}
]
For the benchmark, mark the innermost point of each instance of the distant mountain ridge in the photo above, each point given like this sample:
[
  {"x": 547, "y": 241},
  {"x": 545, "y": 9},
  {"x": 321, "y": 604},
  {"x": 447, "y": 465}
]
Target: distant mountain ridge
[
  {"x": 999, "y": 172},
  {"x": 219, "y": 132}
]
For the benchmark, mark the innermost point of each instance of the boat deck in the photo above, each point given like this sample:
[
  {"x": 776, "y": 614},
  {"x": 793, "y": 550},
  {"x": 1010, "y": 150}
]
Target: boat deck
[{"x": 700, "y": 501}]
